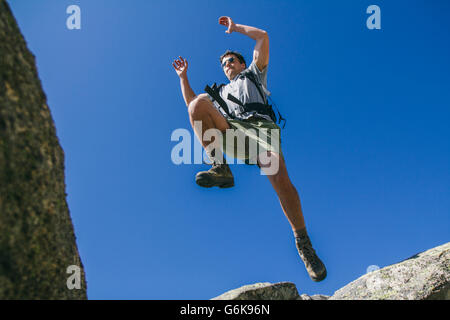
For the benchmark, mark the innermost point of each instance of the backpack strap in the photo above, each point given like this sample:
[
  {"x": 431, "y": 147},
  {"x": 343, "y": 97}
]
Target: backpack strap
[
  {"x": 251, "y": 76},
  {"x": 214, "y": 93}
]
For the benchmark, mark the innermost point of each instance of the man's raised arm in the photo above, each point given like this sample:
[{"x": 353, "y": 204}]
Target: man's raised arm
[
  {"x": 261, "y": 51},
  {"x": 181, "y": 65}
]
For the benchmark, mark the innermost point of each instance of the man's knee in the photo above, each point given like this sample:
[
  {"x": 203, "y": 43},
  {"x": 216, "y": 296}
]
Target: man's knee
[{"x": 200, "y": 105}]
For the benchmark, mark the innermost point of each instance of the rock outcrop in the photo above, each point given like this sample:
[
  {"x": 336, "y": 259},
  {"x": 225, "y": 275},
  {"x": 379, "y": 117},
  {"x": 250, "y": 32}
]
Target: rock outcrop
[
  {"x": 37, "y": 241},
  {"x": 262, "y": 291},
  {"x": 425, "y": 276}
]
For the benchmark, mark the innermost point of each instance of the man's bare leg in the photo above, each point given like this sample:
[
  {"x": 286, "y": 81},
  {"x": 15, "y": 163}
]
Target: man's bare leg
[
  {"x": 202, "y": 109},
  {"x": 287, "y": 193},
  {"x": 290, "y": 203}
]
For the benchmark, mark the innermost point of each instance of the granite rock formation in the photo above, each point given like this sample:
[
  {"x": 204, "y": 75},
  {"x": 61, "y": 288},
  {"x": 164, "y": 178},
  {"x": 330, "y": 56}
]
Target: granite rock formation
[
  {"x": 37, "y": 241},
  {"x": 425, "y": 276},
  {"x": 262, "y": 291}
]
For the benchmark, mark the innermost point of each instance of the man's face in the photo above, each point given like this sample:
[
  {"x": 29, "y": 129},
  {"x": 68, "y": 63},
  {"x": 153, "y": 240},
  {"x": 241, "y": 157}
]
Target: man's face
[{"x": 232, "y": 68}]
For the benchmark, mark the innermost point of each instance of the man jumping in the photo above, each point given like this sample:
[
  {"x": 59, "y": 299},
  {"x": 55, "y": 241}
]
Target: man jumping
[{"x": 241, "y": 105}]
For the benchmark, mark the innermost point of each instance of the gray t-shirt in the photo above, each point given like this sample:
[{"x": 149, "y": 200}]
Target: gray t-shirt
[{"x": 245, "y": 91}]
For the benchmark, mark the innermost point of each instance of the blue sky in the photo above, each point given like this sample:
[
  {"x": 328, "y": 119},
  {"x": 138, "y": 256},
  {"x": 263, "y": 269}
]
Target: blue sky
[{"x": 366, "y": 141}]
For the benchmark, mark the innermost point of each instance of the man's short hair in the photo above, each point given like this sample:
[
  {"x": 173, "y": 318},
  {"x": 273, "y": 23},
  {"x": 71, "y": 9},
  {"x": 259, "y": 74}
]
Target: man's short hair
[{"x": 237, "y": 54}]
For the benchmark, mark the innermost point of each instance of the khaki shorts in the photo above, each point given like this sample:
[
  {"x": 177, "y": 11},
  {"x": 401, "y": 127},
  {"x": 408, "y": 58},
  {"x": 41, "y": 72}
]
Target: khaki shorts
[{"x": 247, "y": 139}]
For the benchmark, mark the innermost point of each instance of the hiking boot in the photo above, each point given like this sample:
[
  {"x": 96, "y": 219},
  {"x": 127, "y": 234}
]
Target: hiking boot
[
  {"x": 315, "y": 267},
  {"x": 218, "y": 176}
]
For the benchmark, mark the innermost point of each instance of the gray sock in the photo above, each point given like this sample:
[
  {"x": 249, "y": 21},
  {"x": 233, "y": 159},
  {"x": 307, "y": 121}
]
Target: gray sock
[
  {"x": 216, "y": 157},
  {"x": 300, "y": 234}
]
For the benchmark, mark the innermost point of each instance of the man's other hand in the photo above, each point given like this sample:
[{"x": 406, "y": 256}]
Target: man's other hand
[
  {"x": 180, "y": 65},
  {"x": 227, "y": 22}
]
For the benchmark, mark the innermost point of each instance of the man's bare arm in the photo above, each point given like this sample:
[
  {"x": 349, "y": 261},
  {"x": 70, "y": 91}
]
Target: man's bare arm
[
  {"x": 180, "y": 65},
  {"x": 186, "y": 90},
  {"x": 261, "y": 51}
]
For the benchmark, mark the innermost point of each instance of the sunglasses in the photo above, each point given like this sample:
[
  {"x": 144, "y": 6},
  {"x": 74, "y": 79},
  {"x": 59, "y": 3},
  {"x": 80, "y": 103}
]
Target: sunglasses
[{"x": 230, "y": 60}]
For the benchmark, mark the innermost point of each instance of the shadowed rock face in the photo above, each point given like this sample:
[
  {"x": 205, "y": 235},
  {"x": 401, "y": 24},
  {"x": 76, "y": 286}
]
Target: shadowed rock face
[{"x": 37, "y": 241}]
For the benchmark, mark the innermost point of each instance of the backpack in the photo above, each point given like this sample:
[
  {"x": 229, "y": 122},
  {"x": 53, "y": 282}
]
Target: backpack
[{"x": 261, "y": 108}]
